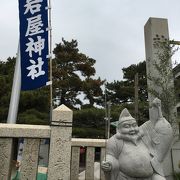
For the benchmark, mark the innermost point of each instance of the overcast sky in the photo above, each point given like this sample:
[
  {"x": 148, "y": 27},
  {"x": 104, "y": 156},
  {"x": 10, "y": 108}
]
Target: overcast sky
[{"x": 110, "y": 31}]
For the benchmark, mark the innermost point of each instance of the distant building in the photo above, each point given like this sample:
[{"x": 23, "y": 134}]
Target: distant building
[{"x": 176, "y": 72}]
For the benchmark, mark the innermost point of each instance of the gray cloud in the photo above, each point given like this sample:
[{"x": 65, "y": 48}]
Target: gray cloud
[{"x": 110, "y": 31}]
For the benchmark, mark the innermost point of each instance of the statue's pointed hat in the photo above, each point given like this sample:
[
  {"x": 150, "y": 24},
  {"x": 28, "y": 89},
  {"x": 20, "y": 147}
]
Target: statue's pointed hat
[{"x": 125, "y": 116}]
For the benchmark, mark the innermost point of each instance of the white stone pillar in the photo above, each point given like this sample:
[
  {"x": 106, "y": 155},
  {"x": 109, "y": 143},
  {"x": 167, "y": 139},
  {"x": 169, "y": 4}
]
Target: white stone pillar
[
  {"x": 156, "y": 29},
  {"x": 60, "y": 144}
]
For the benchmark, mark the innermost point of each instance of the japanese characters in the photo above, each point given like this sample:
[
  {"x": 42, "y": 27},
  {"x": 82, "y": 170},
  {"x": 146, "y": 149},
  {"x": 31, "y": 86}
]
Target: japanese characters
[{"x": 34, "y": 43}]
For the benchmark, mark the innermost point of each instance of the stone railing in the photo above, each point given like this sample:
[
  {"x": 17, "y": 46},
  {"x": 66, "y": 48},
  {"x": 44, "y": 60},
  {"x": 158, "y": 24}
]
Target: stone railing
[
  {"x": 64, "y": 152},
  {"x": 32, "y": 136},
  {"x": 90, "y": 171}
]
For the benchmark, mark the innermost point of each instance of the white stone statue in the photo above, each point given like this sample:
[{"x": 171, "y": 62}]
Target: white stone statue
[{"x": 136, "y": 153}]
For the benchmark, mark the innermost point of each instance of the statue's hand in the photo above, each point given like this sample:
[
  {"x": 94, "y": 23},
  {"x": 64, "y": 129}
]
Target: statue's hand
[{"x": 106, "y": 166}]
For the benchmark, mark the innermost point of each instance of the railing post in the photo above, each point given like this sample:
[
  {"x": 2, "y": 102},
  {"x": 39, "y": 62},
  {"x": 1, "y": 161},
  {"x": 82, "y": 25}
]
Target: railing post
[
  {"x": 60, "y": 144},
  {"x": 75, "y": 163},
  {"x": 29, "y": 166},
  {"x": 89, "y": 175},
  {"x": 103, "y": 154},
  {"x": 5, "y": 158}
]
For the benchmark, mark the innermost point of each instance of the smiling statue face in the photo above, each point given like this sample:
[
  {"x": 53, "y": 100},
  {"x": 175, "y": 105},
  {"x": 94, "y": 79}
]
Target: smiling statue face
[{"x": 129, "y": 127}]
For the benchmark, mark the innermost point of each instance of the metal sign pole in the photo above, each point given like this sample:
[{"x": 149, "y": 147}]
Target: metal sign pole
[
  {"x": 106, "y": 131},
  {"x": 50, "y": 63},
  {"x": 15, "y": 93},
  {"x": 109, "y": 119},
  {"x": 136, "y": 96}
]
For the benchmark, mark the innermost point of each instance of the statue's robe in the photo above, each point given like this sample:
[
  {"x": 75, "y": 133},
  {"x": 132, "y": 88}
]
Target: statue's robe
[{"x": 140, "y": 161}]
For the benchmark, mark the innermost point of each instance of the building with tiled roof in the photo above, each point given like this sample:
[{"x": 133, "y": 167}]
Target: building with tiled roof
[{"x": 176, "y": 72}]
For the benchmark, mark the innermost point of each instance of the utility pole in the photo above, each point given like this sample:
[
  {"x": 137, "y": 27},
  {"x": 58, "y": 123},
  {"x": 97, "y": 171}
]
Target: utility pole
[
  {"x": 108, "y": 118},
  {"x": 136, "y": 96}
]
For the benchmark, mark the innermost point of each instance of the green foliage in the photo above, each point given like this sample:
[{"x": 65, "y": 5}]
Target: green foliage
[
  {"x": 88, "y": 132},
  {"x": 6, "y": 76},
  {"x": 33, "y": 105},
  {"x": 93, "y": 92},
  {"x": 89, "y": 123},
  {"x": 123, "y": 91},
  {"x": 120, "y": 92},
  {"x": 143, "y": 111},
  {"x": 177, "y": 176},
  {"x": 38, "y": 99},
  {"x": 33, "y": 116},
  {"x": 129, "y": 75},
  {"x": 163, "y": 87},
  {"x": 72, "y": 75},
  {"x": 91, "y": 117}
]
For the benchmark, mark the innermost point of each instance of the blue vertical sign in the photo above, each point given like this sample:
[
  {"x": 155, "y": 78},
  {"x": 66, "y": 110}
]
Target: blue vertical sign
[{"x": 33, "y": 15}]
